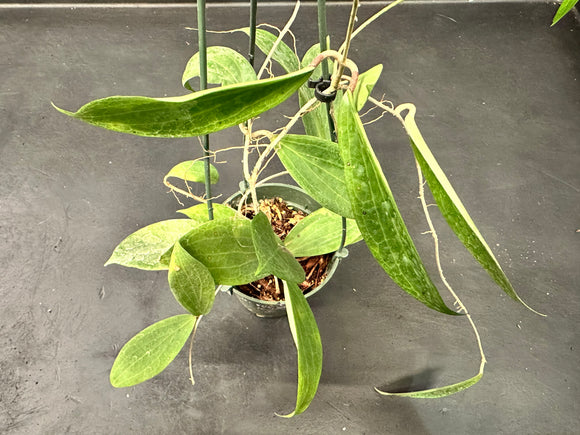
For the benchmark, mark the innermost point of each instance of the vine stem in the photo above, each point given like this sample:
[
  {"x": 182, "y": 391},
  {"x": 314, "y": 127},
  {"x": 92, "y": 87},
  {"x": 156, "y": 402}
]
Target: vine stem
[
  {"x": 340, "y": 68},
  {"x": 191, "y": 349}
]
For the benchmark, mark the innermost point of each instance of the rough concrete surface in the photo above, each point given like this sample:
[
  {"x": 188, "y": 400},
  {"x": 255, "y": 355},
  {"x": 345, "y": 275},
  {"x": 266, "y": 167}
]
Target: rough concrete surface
[{"x": 498, "y": 101}]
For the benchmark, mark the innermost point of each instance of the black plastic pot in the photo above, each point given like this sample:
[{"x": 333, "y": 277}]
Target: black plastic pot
[{"x": 298, "y": 199}]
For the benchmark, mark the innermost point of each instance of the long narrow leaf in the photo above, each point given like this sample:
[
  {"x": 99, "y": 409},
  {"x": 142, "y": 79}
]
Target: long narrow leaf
[
  {"x": 151, "y": 350},
  {"x": 315, "y": 121},
  {"x": 435, "y": 393},
  {"x": 453, "y": 209},
  {"x": 193, "y": 114},
  {"x": 376, "y": 212},
  {"x": 564, "y": 8},
  {"x": 308, "y": 346}
]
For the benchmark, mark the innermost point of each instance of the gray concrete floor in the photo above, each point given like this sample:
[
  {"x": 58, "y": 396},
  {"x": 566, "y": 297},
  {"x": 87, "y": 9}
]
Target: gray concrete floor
[{"x": 499, "y": 103}]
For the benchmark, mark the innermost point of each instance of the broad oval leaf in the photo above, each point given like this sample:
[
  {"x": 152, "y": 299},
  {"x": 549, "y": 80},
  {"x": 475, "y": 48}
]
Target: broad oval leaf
[
  {"x": 151, "y": 350},
  {"x": 144, "y": 248},
  {"x": 198, "y": 212},
  {"x": 193, "y": 171},
  {"x": 191, "y": 282},
  {"x": 316, "y": 165},
  {"x": 376, "y": 212},
  {"x": 366, "y": 83},
  {"x": 273, "y": 257},
  {"x": 320, "y": 233},
  {"x": 190, "y": 115},
  {"x": 454, "y": 211},
  {"x": 224, "y": 67},
  {"x": 283, "y": 54},
  {"x": 308, "y": 346},
  {"x": 435, "y": 393},
  {"x": 226, "y": 248}
]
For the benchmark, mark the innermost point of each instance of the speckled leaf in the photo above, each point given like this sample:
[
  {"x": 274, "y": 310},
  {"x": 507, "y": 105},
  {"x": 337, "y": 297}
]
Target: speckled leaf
[
  {"x": 190, "y": 115},
  {"x": 317, "y": 167},
  {"x": 191, "y": 282},
  {"x": 366, "y": 83},
  {"x": 436, "y": 393},
  {"x": 193, "y": 171},
  {"x": 283, "y": 54},
  {"x": 226, "y": 248},
  {"x": 224, "y": 67},
  {"x": 308, "y": 346},
  {"x": 376, "y": 212},
  {"x": 454, "y": 211},
  {"x": 273, "y": 257},
  {"x": 144, "y": 248},
  {"x": 151, "y": 350},
  {"x": 320, "y": 233},
  {"x": 198, "y": 212}
]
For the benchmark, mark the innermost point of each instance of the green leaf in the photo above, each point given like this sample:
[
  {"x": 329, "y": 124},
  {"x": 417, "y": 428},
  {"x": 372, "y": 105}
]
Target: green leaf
[
  {"x": 191, "y": 282},
  {"x": 144, "y": 248},
  {"x": 151, "y": 350},
  {"x": 316, "y": 121},
  {"x": 284, "y": 55},
  {"x": 273, "y": 257},
  {"x": 436, "y": 393},
  {"x": 193, "y": 171},
  {"x": 317, "y": 167},
  {"x": 308, "y": 346},
  {"x": 198, "y": 212},
  {"x": 454, "y": 211},
  {"x": 366, "y": 83},
  {"x": 226, "y": 248},
  {"x": 190, "y": 115},
  {"x": 564, "y": 8},
  {"x": 224, "y": 67},
  {"x": 320, "y": 233},
  {"x": 376, "y": 212}
]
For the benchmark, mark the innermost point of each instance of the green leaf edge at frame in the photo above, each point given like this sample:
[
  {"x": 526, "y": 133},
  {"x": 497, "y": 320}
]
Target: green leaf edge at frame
[
  {"x": 273, "y": 257},
  {"x": 138, "y": 249},
  {"x": 193, "y": 114},
  {"x": 381, "y": 223},
  {"x": 316, "y": 165},
  {"x": 308, "y": 346},
  {"x": 190, "y": 282},
  {"x": 565, "y": 7},
  {"x": 131, "y": 366},
  {"x": 194, "y": 171},
  {"x": 225, "y": 66},
  {"x": 320, "y": 233},
  {"x": 435, "y": 393},
  {"x": 455, "y": 212}
]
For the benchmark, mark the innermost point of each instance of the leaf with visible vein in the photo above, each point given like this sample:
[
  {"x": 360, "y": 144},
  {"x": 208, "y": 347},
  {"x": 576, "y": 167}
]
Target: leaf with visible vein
[
  {"x": 376, "y": 212},
  {"x": 308, "y": 346},
  {"x": 190, "y": 115},
  {"x": 273, "y": 257},
  {"x": 436, "y": 393},
  {"x": 193, "y": 171},
  {"x": 191, "y": 282},
  {"x": 320, "y": 233},
  {"x": 151, "y": 350},
  {"x": 317, "y": 167}
]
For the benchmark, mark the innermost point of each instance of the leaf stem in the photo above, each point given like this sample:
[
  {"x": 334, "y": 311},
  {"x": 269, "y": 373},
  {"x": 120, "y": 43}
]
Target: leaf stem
[{"x": 191, "y": 349}]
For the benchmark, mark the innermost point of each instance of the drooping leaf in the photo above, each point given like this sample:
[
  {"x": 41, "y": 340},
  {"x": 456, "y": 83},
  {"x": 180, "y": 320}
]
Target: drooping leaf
[
  {"x": 190, "y": 115},
  {"x": 436, "y": 393},
  {"x": 308, "y": 346},
  {"x": 317, "y": 167},
  {"x": 151, "y": 350},
  {"x": 224, "y": 67},
  {"x": 144, "y": 248},
  {"x": 191, "y": 282},
  {"x": 316, "y": 121},
  {"x": 193, "y": 171},
  {"x": 376, "y": 212},
  {"x": 273, "y": 257},
  {"x": 454, "y": 211},
  {"x": 366, "y": 83},
  {"x": 565, "y": 7},
  {"x": 320, "y": 233},
  {"x": 198, "y": 212},
  {"x": 226, "y": 248},
  {"x": 283, "y": 54}
]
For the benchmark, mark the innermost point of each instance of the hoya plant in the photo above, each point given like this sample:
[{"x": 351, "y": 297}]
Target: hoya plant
[{"x": 235, "y": 244}]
